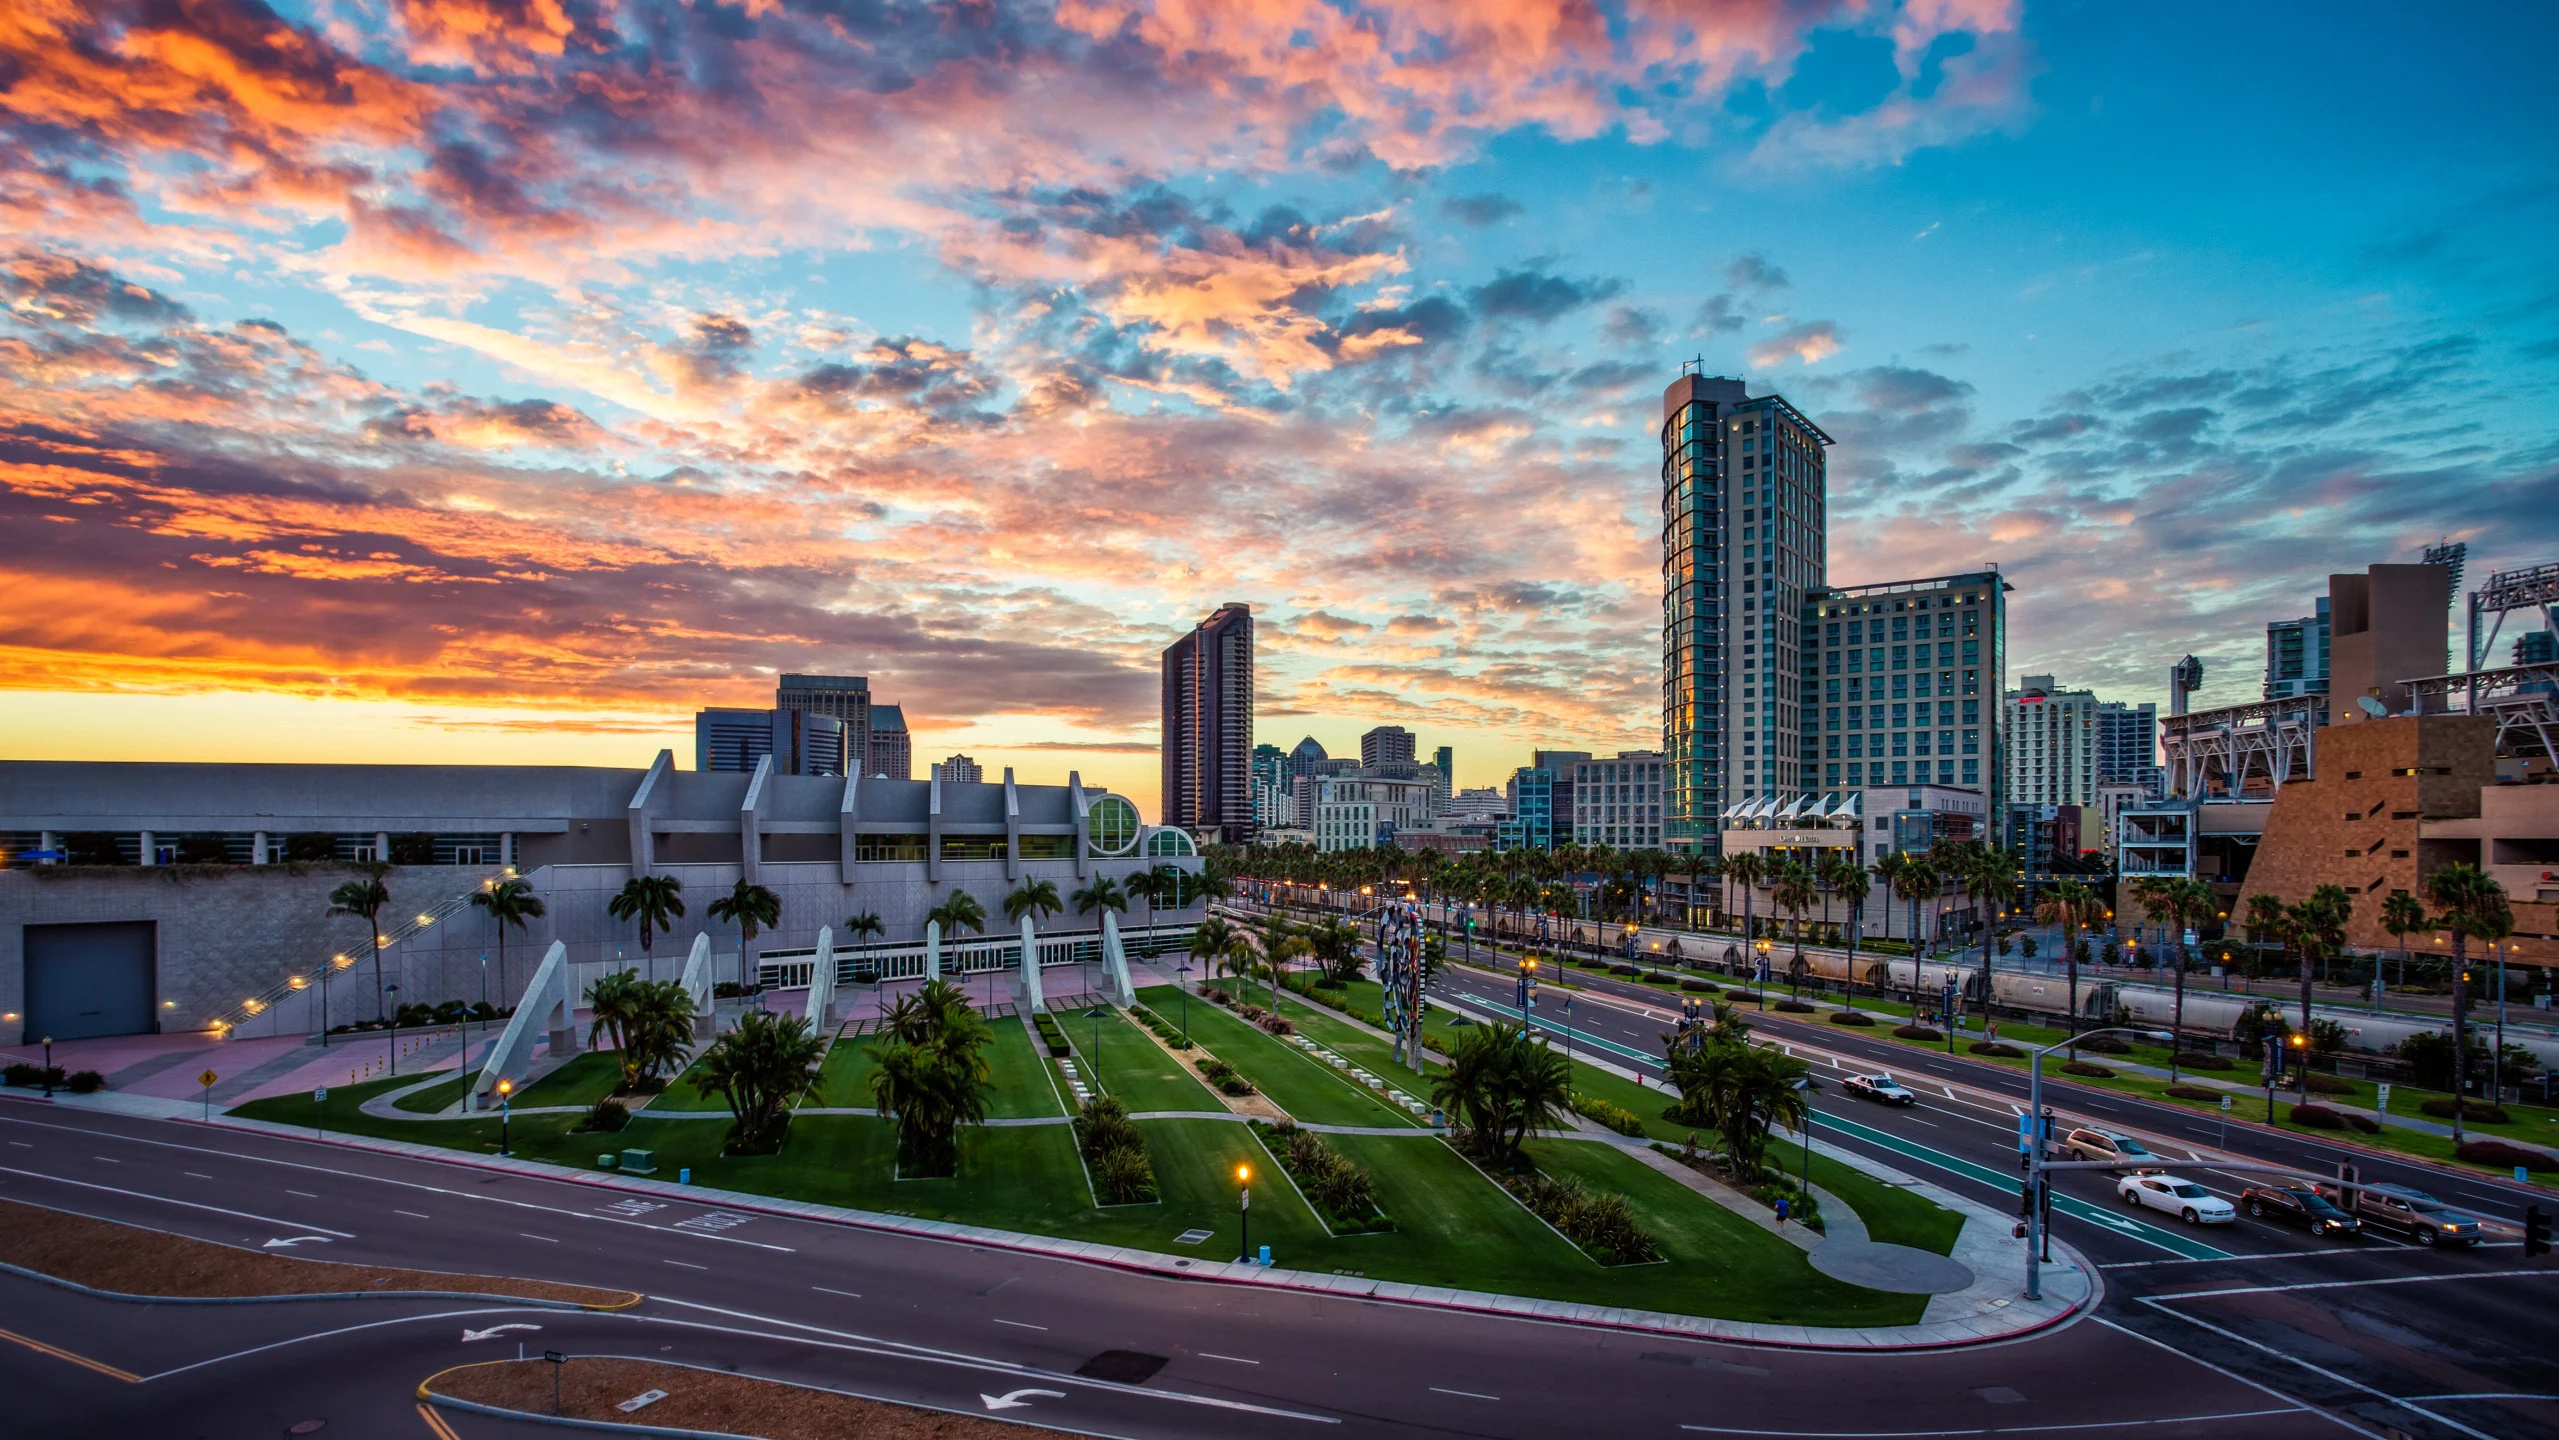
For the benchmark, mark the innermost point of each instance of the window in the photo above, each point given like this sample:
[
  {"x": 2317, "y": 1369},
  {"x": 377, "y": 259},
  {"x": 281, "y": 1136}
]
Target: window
[
  {"x": 1111, "y": 823},
  {"x": 880, "y": 848}
]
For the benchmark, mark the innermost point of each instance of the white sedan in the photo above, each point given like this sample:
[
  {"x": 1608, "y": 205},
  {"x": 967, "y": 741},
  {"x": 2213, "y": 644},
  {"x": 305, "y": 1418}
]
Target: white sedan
[{"x": 2184, "y": 1199}]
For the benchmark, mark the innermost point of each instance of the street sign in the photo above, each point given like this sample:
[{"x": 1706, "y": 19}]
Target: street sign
[
  {"x": 2225, "y": 1104},
  {"x": 206, "y": 1079},
  {"x": 2381, "y": 1099},
  {"x": 321, "y": 1094}
]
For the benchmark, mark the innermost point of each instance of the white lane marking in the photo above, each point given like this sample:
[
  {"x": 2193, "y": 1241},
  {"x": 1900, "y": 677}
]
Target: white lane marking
[
  {"x": 412, "y": 1214},
  {"x": 189, "y": 1204},
  {"x": 21, "y": 1144},
  {"x": 305, "y": 1194},
  {"x": 1469, "y": 1394},
  {"x": 2257, "y": 1385},
  {"x": 190, "y": 1174},
  {"x": 2351, "y": 1284},
  {"x": 2227, "y": 1259},
  {"x": 1012, "y": 1399},
  {"x": 687, "y": 1264},
  {"x": 1915, "y": 1120},
  {"x": 2320, "y": 1371},
  {"x": 1021, "y": 1325},
  {"x": 104, "y": 1160},
  {"x": 380, "y": 1180},
  {"x": 529, "y": 1235},
  {"x": 346, "y": 1330},
  {"x": 847, "y": 1294},
  {"x": 1986, "y": 1430},
  {"x": 287, "y": 1244},
  {"x": 1231, "y": 1359},
  {"x": 469, "y": 1334}
]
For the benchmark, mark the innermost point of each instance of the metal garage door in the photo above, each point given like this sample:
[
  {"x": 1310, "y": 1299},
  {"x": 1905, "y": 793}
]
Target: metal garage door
[{"x": 85, "y": 980}]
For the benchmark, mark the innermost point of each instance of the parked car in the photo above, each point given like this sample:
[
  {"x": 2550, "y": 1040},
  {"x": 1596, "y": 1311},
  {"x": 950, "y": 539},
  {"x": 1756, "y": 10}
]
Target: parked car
[
  {"x": 1882, "y": 1088},
  {"x": 2086, "y": 1144},
  {"x": 2184, "y": 1199},
  {"x": 2414, "y": 1213},
  {"x": 2294, "y": 1203}
]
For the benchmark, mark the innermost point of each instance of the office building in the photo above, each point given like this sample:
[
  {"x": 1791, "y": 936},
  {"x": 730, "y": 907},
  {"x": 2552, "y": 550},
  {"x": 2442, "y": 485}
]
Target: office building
[
  {"x": 1359, "y": 810},
  {"x": 1900, "y": 691},
  {"x": 1482, "y": 803},
  {"x": 960, "y": 770},
  {"x": 1744, "y": 517},
  {"x": 807, "y": 743},
  {"x": 2128, "y": 746},
  {"x": 847, "y": 698},
  {"x": 731, "y": 739},
  {"x": 891, "y": 748},
  {"x": 1386, "y": 744},
  {"x": 2297, "y": 655},
  {"x": 1208, "y": 727},
  {"x": 1530, "y": 825},
  {"x": 2051, "y": 744},
  {"x": 1444, "y": 759},
  {"x": 1617, "y": 802}
]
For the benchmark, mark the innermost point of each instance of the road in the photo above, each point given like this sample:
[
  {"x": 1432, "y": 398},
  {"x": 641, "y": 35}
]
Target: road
[{"x": 942, "y": 1324}]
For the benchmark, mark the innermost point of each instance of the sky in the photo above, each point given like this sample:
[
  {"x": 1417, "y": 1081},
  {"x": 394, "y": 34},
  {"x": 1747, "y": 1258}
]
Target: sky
[{"x": 500, "y": 381}]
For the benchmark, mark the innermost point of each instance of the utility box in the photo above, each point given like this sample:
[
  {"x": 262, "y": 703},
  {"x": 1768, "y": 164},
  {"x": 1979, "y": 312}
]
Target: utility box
[{"x": 639, "y": 1162}]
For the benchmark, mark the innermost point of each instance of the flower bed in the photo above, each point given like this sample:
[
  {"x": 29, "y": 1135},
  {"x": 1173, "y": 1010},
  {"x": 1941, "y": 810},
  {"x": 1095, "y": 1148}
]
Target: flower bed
[
  {"x": 1602, "y": 1225},
  {"x": 1340, "y": 1191},
  {"x": 1115, "y": 1153},
  {"x": 2503, "y": 1155},
  {"x": 1615, "y": 1117},
  {"x": 1164, "y": 1030}
]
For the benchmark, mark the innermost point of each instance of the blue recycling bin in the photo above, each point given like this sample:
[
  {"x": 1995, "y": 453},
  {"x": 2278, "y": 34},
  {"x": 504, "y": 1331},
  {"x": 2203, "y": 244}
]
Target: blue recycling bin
[{"x": 1266, "y": 1255}]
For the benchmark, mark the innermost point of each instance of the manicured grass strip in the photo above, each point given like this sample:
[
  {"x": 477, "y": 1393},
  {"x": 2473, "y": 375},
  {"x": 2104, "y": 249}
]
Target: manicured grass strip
[
  {"x": 844, "y": 1077},
  {"x": 435, "y": 1097},
  {"x": 1646, "y": 1101},
  {"x": 585, "y": 1079},
  {"x": 1122, "y": 1060},
  {"x": 1714, "y": 1261},
  {"x": 1021, "y": 1087},
  {"x": 539, "y": 1136},
  {"x": 1296, "y": 1081},
  {"x": 1893, "y": 1214},
  {"x": 680, "y": 1095}
]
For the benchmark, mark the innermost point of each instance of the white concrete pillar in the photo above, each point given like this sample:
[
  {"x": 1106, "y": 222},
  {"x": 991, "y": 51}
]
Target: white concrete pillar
[
  {"x": 506, "y": 849},
  {"x": 932, "y": 949},
  {"x": 382, "y": 847},
  {"x": 258, "y": 848},
  {"x": 150, "y": 848},
  {"x": 1033, "y": 997}
]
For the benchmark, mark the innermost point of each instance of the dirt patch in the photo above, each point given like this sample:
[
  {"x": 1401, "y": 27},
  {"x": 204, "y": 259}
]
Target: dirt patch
[
  {"x": 1256, "y": 1105},
  {"x": 594, "y": 1387},
  {"x": 129, "y": 1260}
]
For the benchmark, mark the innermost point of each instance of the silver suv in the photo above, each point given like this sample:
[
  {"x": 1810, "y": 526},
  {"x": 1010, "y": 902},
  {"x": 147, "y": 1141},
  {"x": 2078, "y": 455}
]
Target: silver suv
[
  {"x": 2415, "y": 1213},
  {"x": 2086, "y": 1144}
]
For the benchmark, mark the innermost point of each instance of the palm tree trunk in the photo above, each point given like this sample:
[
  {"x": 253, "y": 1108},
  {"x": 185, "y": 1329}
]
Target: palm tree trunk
[
  {"x": 2070, "y": 959},
  {"x": 2177, "y": 1020},
  {"x": 2460, "y": 1032}
]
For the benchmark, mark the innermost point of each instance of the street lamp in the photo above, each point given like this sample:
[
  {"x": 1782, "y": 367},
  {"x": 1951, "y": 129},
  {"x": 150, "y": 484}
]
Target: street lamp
[
  {"x": 1527, "y": 982},
  {"x": 48, "y": 1067},
  {"x": 1759, "y": 976},
  {"x": 2036, "y": 1238},
  {"x": 1182, "y": 982},
  {"x": 395, "y": 1027},
  {"x": 1244, "y": 1214},
  {"x": 506, "y": 1115}
]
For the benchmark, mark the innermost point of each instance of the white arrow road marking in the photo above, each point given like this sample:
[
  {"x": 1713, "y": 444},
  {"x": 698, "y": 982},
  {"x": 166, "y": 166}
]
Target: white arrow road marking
[
  {"x": 469, "y": 1334},
  {"x": 1012, "y": 1400},
  {"x": 296, "y": 1240}
]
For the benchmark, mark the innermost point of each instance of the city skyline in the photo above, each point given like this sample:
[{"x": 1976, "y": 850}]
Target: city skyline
[{"x": 415, "y": 409}]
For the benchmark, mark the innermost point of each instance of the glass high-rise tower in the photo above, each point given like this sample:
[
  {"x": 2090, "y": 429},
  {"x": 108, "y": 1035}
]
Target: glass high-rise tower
[{"x": 1744, "y": 515}]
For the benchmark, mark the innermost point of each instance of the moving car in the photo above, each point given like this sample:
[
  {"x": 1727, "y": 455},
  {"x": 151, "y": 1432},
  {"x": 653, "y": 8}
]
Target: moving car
[
  {"x": 2184, "y": 1199},
  {"x": 2414, "y": 1213},
  {"x": 1883, "y": 1088},
  {"x": 2086, "y": 1144},
  {"x": 2294, "y": 1203}
]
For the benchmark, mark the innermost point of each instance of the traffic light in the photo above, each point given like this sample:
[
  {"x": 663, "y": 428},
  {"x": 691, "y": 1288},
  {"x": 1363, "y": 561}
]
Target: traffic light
[{"x": 2536, "y": 1232}]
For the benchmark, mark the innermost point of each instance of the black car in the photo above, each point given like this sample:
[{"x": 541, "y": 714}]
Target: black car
[{"x": 2300, "y": 1205}]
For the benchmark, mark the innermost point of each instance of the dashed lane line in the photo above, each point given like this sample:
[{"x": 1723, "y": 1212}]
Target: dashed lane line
[{"x": 188, "y": 1204}]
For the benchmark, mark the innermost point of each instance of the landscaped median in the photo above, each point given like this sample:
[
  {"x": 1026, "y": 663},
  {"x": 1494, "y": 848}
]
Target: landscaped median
[
  {"x": 613, "y": 1391},
  {"x": 139, "y": 1263}
]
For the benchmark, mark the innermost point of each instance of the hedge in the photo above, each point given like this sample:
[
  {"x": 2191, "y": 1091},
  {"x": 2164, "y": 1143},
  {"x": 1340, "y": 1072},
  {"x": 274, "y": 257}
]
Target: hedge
[
  {"x": 1916, "y": 1032},
  {"x": 1791, "y": 1007},
  {"x": 2505, "y": 1156},
  {"x": 2322, "y": 1117},
  {"x": 2194, "y": 1092},
  {"x": 1851, "y": 1017},
  {"x": 2470, "y": 1110},
  {"x": 1995, "y": 1048},
  {"x": 2082, "y": 1067}
]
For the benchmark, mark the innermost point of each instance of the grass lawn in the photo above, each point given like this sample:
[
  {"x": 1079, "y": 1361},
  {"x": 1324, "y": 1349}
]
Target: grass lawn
[
  {"x": 1715, "y": 1262},
  {"x": 1120, "y": 1060},
  {"x": 1294, "y": 1080},
  {"x": 585, "y": 1079},
  {"x": 1894, "y": 1215},
  {"x": 435, "y": 1097},
  {"x": 844, "y": 1077},
  {"x": 536, "y": 1135},
  {"x": 680, "y": 1094}
]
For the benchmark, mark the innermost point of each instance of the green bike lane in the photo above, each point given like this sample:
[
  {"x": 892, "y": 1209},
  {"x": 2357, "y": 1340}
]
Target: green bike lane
[{"x": 2004, "y": 1182}]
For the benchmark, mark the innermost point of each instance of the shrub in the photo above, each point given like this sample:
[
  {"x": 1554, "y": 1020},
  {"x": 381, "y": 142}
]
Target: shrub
[
  {"x": 1115, "y": 1151},
  {"x": 1601, "y": 1224},
  {"x": 1615, "y": 1117},
  {"x": 607, "y": 1115},
  {"x": 1050, "y": 1035},
  {"x": 1791, "y": 1007},
  {"x": 2105, "y": 1045},
  {"x": 1216, "y": 996},
  {"x": 2470, "y": 1110},
  {"x": 1124, "y": 1177},
  {"x": 2505, "y": 1156},
  {"x": 1621, "y": 970},
  {"x": 2326, "y": 1085},
  {"x": 1253, "y": 1013},
  {"x": 20, "y": 1072},
  {"x": 2196, "y": 1060},
  {"x": 2082, "y": 1067},
  {"x": 1277, "y": 1024},
  {"x": 1658, "y": 978},
  {"x": 1701, "y": 987},
  {"x": 2195, "y": 1092},
  {"x": 1852, "y": 1017},
  {"x": 1214, "y": 1068},
  {"x": 86, "y": 1082},
  {"x": 1995, "y": 1048},
  {"x": 1916, "y": 1032},
  {"x": 2322, "y": 1117},
  {"x": 1235, "y": 1085},
  {"x": 1142, "y": 1013}
]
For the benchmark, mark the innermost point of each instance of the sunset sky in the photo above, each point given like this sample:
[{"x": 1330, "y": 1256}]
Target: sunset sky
[{"x": 501, "y": 380}]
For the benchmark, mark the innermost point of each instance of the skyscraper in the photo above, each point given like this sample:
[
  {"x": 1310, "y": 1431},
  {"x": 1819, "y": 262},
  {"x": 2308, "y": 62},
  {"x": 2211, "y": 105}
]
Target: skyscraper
[
  {"x": 1925, "y": 657},
  {"x": 845, "y": 697},
  {"x": 892, "y": 748},
  {"x": 1744, "y": 515},
  {"x": 2052, "y": 744},
  {"x": 960, "y": 770},
  {"x": 1208, "y": 727},
  {"x": 1445, "y": 758},
  {"x": 1385, "y": 743},
  {"x": 2297, "y": 655},
  {"x": 2128, "y": 745}
]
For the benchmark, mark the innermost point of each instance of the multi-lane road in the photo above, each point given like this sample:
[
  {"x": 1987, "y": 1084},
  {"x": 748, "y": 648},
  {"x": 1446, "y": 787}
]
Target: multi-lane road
[{"x": 2271, "y": 1336}]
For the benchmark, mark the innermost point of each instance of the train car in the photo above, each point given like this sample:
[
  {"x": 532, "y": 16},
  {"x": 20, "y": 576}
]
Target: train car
[
  {"x": 2215, "y": 1013},
  {"x": 2050, "y": 995}
]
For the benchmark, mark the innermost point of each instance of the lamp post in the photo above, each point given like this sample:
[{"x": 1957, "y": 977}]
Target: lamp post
[
  {"x": 2036, "y": 1236},
  {"x": 1244, "y": 1214},
  {"x": 1182, "y": 982},
  {"x": 1805, "y": 1086},
  {"x": 1759, "y": 974},
  {"x": 394, "y": 992},
  {"x": 506, "y": 1116},
  {"x": 48, "y": 1067},
  {"x": 1527, "y": 982}
]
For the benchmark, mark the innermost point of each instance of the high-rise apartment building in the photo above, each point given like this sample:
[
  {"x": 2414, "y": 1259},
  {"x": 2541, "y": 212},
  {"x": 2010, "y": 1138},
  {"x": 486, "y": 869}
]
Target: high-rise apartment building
[
  {"x": 891, "y": 748},
  {"x": 2052, "y": 744},
  {"x": 1359, "y": 810},
  {"x": 1208, "y": 727},
  {"x": 1444, "y": 759},
  {"x": 1618, "y": 802},
  {"x": 1386, "y": 743},
  {"x": 1902, "y": 685},
  {"x": 2128, "y": 746},
  {"x": 2297, "y": 655},
  {"x": 1744, "y": 516},
  {"x": 960, "y": 770}
]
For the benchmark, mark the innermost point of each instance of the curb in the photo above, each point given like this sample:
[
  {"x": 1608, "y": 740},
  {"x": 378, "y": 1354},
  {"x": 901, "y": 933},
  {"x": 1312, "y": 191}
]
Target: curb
[
  {"x": 609, "y": 1427},
  {"x": 1172, "y": 1268},
  {"x": 74, "y": 1285}
]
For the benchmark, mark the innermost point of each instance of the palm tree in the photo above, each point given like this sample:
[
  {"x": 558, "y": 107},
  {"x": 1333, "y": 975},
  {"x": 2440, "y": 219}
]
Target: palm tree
[
  {"x": 2072, "y": 906},
  {"x": 752, "y": 908},
  {"x": 1503, "y": 1085},
  {"x": 1035, "y": 898},
  {"x": 654, "y": 901},
  {"x": 1849, "y": 879},
  {"x": 1152, "y": 886},
  {"x": 363, "y": 899},
  {"x": 1747, "y": 868},
  {"x": 762, "y": 1068},
  {"x": 2401, "y": 914},
  {"x": 2318, "y": 926},
  {"x": 2469, "y": 902},
  {"x": 1992, "y": 880},
  {"x": 510, "y": 901},
  {"x": 658, "y": 1031},
  {"x": 932, "y": 1077},
  {"x": 1916, "y": 879},
  {"x": 1741, "y": 1091},
  {"x": 961, "y": 913},
  {"x": 2190, "y": 904},
  {"x": 1103, "y": 894},
  {"x": 1794, "y": 893},
  {"x": 612, "y": 1002},
  {"x": 864, "y": 926},
  {"x": 1888, "y": 868}
]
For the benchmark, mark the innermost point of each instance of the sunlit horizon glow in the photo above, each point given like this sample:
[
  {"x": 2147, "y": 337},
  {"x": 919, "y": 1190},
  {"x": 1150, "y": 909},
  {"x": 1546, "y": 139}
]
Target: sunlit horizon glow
[{"x": 499, "y": 381}]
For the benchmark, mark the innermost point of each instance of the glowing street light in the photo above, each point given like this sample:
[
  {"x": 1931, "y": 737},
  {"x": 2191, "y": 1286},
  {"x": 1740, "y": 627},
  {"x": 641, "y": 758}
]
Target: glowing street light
[{"x": 1244, "y": 1214}]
